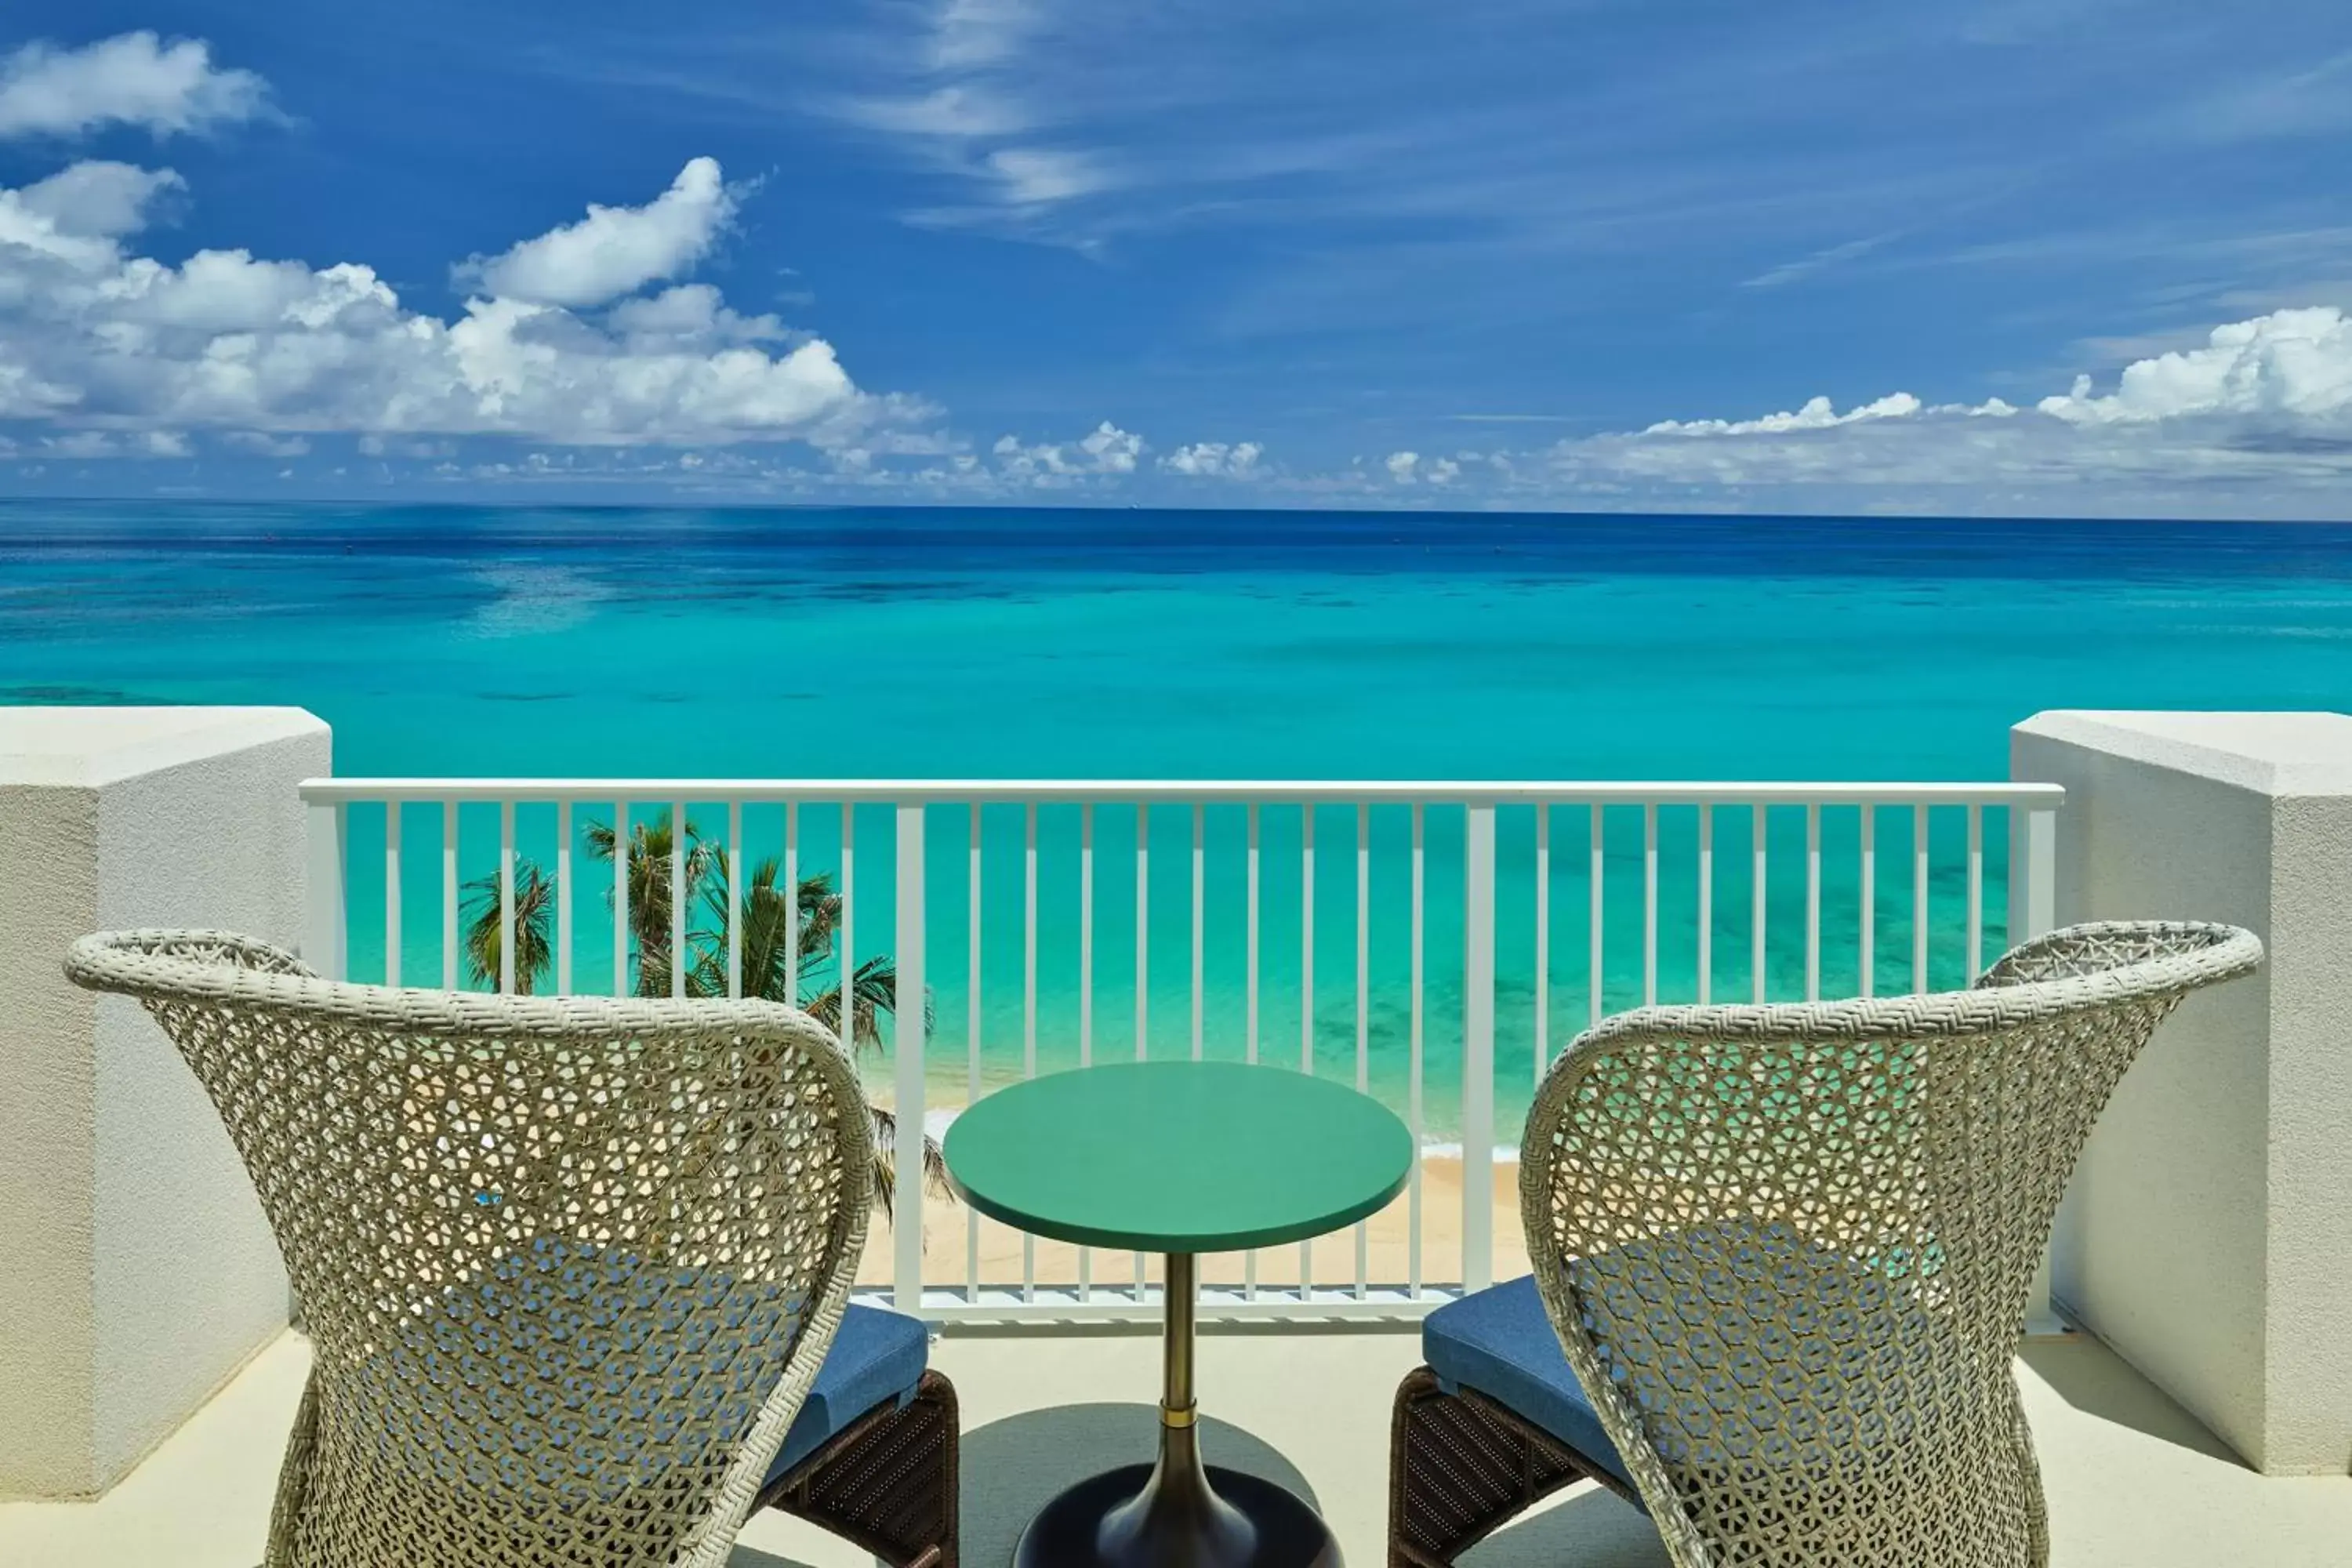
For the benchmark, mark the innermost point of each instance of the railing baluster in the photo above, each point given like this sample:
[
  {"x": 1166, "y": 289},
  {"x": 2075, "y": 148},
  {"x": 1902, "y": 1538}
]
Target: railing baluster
[
  {"x": 1705, "y": 902},
  {"x": 1306, "y": 993},
  {"x": 1759, "y": 830},
  {"x": 735, "y": 899},
  {"x": 909, "y": 1100},
  {"x": 621, "y": 848},
  {"x": 506, "y": 898},
  {"x": 1199, "y": 899},
  {"x": 1478, "y": 1052},
  {"x": 1085, "y": 991},
  {"x": 563, "y": 898},
  {"x": 1869, "y": 897},
  {"x": 1597, "y": 877},
  {"x": 1650, "y": 905},
  {"x": 677, "y": 900},
  {"x": 1085, "y": 936},
  {"x": 1363, "y": 1009},
  {"x": 1412, "y": 1081},
  {"x": 392, "y": 892},
  {"x": 2033, "y": 911},
  {"x": 1975, "y": 893},
  {"x": 326, "y": 927},
  {"x": 449, "y": 954},
  {"x": 792, "y": 902},
  {"x": 1142, "y": 932},
  {"x": 1812, "y": 902},
  {"x": 1029, "y": 1007},
  {"x": 845, "y": 964},
  {"x": 972, "y": 1053},
  {"x": 1142, "y": 960},
  {"x": 1249, "y": 1259},
  {"x": 1542, "y": 1052},
  {"x": 1919, "y": 897}
]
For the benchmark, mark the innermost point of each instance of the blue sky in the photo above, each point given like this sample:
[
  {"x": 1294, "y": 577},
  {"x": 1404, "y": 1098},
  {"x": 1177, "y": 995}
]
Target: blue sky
[{"x": 1614, "y": 254}]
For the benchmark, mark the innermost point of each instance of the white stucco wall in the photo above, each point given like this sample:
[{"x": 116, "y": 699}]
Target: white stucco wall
[
  {"x": 136, "y": 1273},
  {"x": 2208, "y": 1234}
]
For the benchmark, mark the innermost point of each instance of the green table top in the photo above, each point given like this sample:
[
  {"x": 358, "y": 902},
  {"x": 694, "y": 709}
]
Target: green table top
[{"x": 1178, "y": 1156}]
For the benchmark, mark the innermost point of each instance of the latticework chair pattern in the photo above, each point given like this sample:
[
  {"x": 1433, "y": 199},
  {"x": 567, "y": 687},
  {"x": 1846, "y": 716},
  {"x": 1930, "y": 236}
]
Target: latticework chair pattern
[
  {"x": 1789, "y": 1249},
  {"x": 569, "y": 1265}
]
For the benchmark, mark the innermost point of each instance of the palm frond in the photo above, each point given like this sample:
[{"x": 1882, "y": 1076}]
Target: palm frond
[
  {"x": 649, "y": 883},
  {"x": 886, "y": 1164},
  {"x": 485, "y": 937}
]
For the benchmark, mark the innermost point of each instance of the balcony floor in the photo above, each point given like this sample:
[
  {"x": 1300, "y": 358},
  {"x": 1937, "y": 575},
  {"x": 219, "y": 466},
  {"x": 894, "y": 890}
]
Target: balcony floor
[{"x": 2133, "y": 1481}]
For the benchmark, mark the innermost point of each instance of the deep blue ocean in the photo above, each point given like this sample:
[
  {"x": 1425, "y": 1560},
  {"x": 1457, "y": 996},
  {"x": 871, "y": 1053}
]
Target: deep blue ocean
[{"x": 1056, "y": 643}]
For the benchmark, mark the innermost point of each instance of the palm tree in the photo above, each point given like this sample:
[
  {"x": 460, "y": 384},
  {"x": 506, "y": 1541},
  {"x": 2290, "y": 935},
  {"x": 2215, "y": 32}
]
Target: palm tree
[
  {"x": 534, "y": 897},
  {"x": 802, "y": 927}
]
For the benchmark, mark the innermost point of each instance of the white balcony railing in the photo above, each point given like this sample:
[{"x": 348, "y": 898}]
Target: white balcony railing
[{"x": 1482, "y": 924}]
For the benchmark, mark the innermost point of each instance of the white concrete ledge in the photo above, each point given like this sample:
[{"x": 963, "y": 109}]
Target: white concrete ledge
[
  {"x": 2208, "y": 1234},
  {"x": 136, "y": 1273}
]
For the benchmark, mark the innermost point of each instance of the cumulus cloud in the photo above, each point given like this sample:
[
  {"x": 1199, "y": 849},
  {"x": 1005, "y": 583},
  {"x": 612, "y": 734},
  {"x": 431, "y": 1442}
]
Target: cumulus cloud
[
  {"x": 1215, "y": 459},
  {"x": 690, "y": 315},
  {"x": 2257, "y": 421},
  {"x": 2290, "y": 367},
  {"x": 1401, "y": 467},
  {"x": 92, "y": 200},
  {"x": 1105, "y": 451},
  {"x": 133, "y": 78},
  {"x": 98, "y": 338},
  {"x": 614, "y": 250}
]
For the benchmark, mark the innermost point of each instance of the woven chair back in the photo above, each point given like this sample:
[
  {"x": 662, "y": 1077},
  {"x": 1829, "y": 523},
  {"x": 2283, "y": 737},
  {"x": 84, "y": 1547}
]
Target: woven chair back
[
  {"x": 569, "y": 1264},
  {"x": 1788, "y": 1248}
]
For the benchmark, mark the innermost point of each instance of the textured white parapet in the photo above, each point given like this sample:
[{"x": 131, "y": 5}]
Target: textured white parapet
[
  {"x": 2208, "y": 1236},
  {"x": 136, "y": 1275}
]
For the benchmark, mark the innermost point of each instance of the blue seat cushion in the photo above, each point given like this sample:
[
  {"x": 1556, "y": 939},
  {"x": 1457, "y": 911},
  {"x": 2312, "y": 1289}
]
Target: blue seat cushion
[
  {"x": 876, "y": 1357},
  {"x": 1500, "y": 1342}
]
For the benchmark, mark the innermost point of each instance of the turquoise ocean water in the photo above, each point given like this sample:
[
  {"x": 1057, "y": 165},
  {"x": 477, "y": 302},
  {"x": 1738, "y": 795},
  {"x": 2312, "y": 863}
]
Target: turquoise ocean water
[{"x": 1060, "y": 643}]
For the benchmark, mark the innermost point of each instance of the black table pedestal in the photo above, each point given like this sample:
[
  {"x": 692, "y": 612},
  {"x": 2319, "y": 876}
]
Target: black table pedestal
[{"x": 1177, "y": 1513}]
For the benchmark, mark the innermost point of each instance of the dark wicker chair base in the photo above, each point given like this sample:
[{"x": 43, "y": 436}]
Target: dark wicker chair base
[
  {"x": 887, "y": 1482},
  {"x": 1461, "y": 1467}
]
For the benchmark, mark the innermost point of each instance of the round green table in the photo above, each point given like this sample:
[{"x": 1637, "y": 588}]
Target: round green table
[{"x": 1179, "y": 1158}]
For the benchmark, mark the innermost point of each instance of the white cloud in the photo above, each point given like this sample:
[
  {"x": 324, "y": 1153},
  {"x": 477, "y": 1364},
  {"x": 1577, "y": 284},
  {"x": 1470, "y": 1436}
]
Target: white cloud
[
  {"x": 690, "y": 315},
  {"x": 133, "y": 78},
  {"x": 1402, "y": 465},
  {"x": 964, "y": 111},
  {"x": 614, "y": 250},
  {"x": 955, "y": 91},
  {"x": 262, "y": 444},
  {"x": 1033, "y": 176},
  {"x": 1443, "y": 470},
  {"x": 85, "y": 444},
  {"x": 1106, "y": 451},
  {"x": 2257, "y": 422},
  {"x": 2288, "y": 367},
  {"x": 968, "y": 34},
  {"x": 1818, "y": 414},
  {"x": 1215, "y": 459},
  {"x": 97, "y": 199},
  {"x": 95, "y": 338}
]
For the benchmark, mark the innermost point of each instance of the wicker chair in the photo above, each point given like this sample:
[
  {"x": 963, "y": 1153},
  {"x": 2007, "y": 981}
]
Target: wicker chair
[
  {"x": 576, "y": 1270},
  {"x": 1787, "y": 1251}
]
